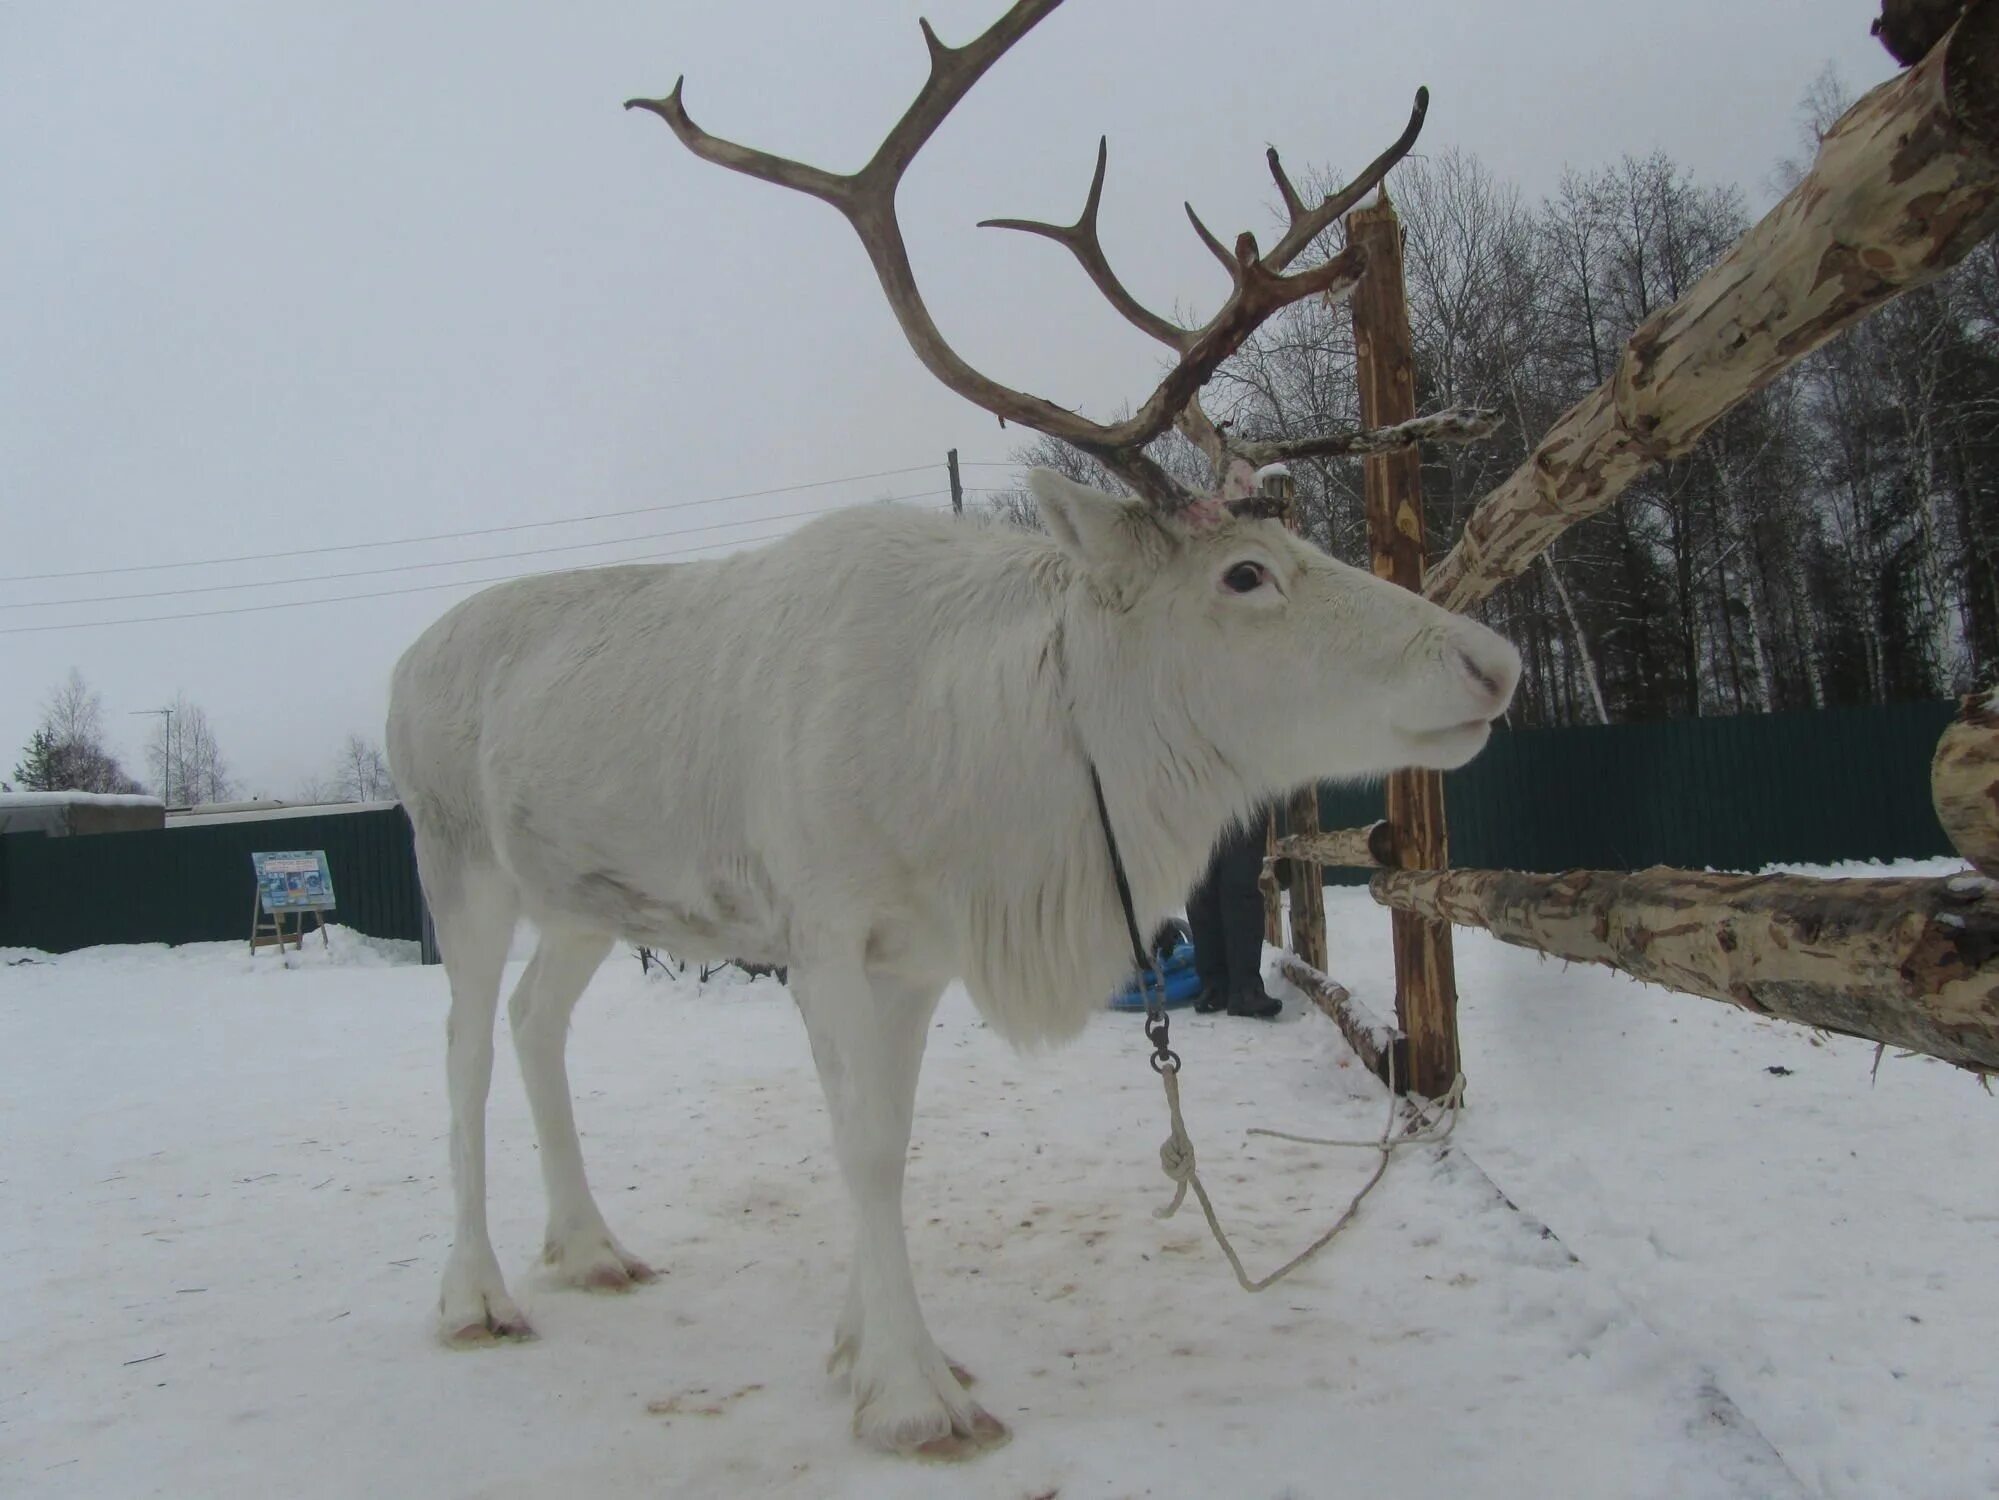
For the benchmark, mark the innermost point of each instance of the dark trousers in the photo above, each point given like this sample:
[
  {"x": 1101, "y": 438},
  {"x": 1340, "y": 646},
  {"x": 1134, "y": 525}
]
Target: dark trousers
[{"x": 1226, "y": 915}]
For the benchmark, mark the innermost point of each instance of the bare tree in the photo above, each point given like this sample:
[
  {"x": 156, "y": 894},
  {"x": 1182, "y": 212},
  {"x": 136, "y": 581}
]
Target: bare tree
[
  {"x": 188, "y": 758},
  {"x": 361, "y": 774},
  {"x": 74, "y": 711}
]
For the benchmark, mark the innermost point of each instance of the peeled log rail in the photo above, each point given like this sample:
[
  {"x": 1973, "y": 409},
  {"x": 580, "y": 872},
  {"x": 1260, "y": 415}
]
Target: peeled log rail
[
  {"x": 1369, "y": 847},
  {"x": 1964, "y": 781},
  {"x": 1910, "y": 963},
  {"x": 1905, "y": 185},
  {"x": 1371, "y": 1038}
]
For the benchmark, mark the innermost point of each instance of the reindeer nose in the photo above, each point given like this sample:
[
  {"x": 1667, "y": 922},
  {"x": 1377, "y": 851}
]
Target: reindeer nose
[{"x": 1487, "y": 664}]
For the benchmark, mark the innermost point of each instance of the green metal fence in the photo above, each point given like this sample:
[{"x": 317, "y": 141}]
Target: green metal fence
[
  {"x": 192, "y": 885},
  {"x": 1731, "y": 794},
  {"x": 1728, "y": 793}
]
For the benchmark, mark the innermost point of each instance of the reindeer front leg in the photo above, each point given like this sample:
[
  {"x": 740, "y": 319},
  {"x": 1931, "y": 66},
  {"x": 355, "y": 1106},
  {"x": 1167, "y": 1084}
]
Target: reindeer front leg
[{"x": 867, "y": 1039}]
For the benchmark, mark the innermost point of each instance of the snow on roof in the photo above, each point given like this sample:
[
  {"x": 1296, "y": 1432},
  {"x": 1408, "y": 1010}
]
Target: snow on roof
[
  {"x": 259, "y": 812},
  {"x": 12, "y": 800}
]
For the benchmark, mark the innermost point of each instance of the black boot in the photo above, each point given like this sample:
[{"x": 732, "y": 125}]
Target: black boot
[
  {"x": 1256, "y": 1005},
  {"x": 1210, "y": 1000}
]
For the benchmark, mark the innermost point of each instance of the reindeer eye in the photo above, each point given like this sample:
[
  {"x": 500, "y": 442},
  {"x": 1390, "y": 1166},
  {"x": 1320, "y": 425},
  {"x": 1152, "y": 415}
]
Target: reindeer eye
[{"x": 1245, "y": 577}]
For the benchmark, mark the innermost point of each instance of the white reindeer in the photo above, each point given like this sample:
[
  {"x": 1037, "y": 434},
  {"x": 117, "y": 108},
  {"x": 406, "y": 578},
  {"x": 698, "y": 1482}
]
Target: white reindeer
[{"x": 866, "y": 751}]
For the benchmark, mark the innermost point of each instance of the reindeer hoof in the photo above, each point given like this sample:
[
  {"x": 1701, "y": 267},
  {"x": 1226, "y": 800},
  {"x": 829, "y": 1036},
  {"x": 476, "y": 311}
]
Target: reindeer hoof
[
  {"x": 474, "y": 1310},
  {"x": 596, "y": 1265},
  {"x": 617, "y": 1276},
  {"x": 489, "y": 1331},
  {"x": 987, "y": 1433},
  {"x": 919, "y": 1408}
]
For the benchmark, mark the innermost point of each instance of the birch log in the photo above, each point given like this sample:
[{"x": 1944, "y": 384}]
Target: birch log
[
  {"x": 1905, "y": 185},
  {"x": 1363, "y": 848},
  {"x": 1964, "y": 781},
  {"x": 1911, "y": 963},
  {"x": 1372, "y": 1039}
]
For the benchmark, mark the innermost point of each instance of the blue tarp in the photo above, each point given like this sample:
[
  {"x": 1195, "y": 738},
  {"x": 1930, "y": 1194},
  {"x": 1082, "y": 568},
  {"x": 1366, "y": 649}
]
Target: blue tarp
[{"x": 1182, "y": 983}]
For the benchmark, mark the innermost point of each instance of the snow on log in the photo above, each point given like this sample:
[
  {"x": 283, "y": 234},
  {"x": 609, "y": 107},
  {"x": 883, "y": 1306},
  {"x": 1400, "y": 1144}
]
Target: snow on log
[
  {"x": 1364, "y": 848},
  {"x": 1905, "y": 185},
  {"x": 1371, "y": 1038},
  {"x": 1964, "y": 781},
  {"x": 1913, "y": 963}
]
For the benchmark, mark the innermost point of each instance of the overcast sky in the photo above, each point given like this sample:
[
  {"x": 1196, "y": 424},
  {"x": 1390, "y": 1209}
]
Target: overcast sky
[{"x": 298, "y": 275}]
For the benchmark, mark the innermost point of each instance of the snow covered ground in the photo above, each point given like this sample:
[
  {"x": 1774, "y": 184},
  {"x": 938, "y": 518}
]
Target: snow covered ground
[{"x": 223, "y": 1209}]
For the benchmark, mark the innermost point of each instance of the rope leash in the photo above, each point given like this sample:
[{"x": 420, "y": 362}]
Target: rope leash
[
  {"x": 1176, "y": 1159},
  {"x": 1176, "y": 1155}
]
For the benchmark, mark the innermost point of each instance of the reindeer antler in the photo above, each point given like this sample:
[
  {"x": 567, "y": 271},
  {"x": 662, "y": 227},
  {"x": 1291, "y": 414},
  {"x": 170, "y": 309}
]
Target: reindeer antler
[
  {"x": 1259, "y": 284},
  {"x": 1081, "y": 240}
]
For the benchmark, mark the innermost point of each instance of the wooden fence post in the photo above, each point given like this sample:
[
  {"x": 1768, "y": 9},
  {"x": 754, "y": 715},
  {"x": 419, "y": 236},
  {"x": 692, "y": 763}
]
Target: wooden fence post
[
  {"x": 1266, "y": 882},
  {"x": 1301, "y": 813},
  {"x": 1426, "y": 987}
]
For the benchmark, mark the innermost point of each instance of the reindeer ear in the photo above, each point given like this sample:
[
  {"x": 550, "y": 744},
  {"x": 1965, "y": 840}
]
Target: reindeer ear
[{"x": 1097, "y": 529}]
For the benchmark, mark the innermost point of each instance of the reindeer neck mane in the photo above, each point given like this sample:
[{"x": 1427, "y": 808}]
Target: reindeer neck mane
[{"x": 1048, "y": 945}]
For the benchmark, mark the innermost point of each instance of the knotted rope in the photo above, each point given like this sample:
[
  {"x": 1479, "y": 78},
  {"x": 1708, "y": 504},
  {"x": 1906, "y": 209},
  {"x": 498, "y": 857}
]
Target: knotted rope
[
  {"x": 1176, "y": 1156},
  {"x": 1176, "y": 1159}
]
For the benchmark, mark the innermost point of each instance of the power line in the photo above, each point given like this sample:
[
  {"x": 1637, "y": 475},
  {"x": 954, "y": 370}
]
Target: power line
[
  {"x": 453, "y": 536},
  {"x": 417, "y": 588},
  {"x": 454, "y": 562}
]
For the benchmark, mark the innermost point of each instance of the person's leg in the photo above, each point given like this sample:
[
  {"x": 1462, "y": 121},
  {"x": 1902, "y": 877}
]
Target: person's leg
[
  {"x": 1204, "y": 920},
  {"x": 1239, "y": 861}
]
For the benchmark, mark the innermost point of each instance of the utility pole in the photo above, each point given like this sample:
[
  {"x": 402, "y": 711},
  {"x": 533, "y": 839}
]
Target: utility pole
[
  {"x": 166, "y": 750},
  {"x": 957, "y": 489}
]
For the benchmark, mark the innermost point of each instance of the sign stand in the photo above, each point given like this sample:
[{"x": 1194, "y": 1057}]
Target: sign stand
[
  {"x": 298, "y": 884},
  {"x": 267, "y": 928}
]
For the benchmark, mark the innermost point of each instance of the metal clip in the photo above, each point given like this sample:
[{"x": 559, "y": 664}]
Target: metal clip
[{"x": 1157, "y": 1030}]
